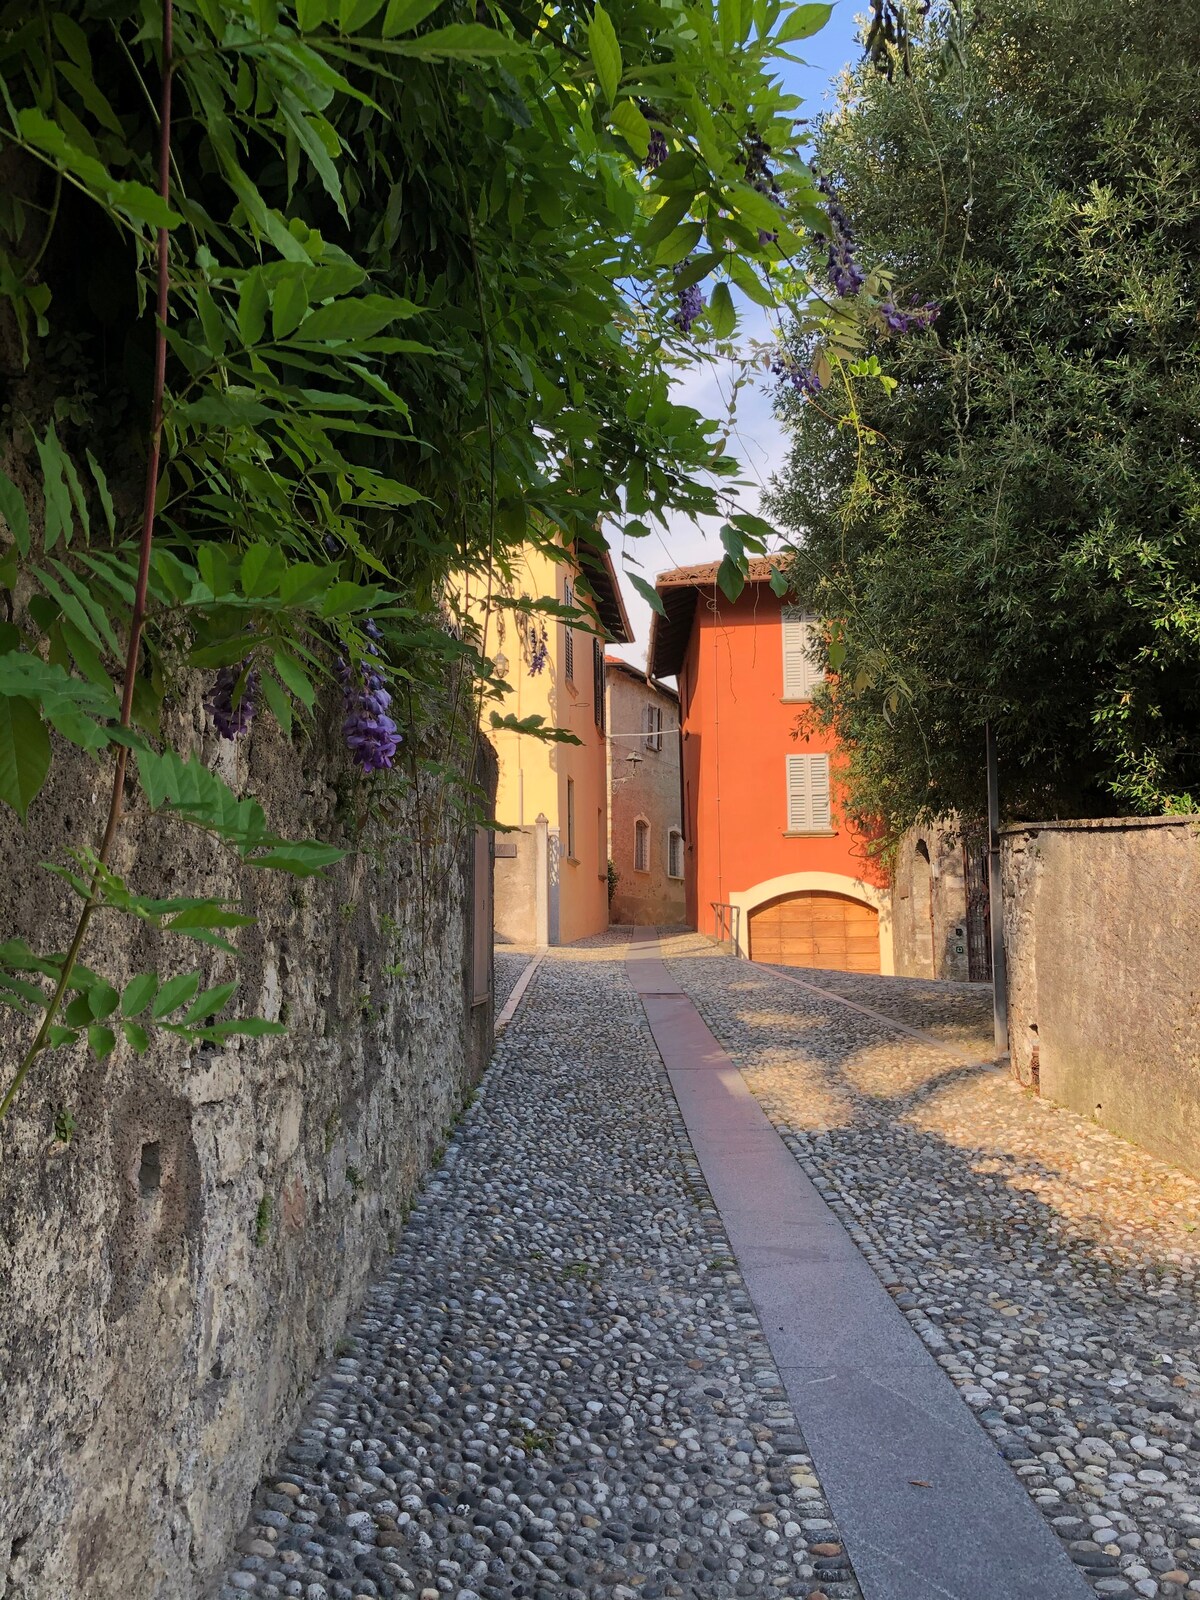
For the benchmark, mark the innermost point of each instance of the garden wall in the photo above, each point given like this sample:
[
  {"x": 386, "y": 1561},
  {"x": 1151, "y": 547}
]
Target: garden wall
[
  {"x": 1103, "y": 943},
  {"x": 176, "y": 1271}
]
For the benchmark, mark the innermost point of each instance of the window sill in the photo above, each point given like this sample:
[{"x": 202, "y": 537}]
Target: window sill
[
  {"x": 572, "y": 861},
  {"x": 675, "y": 877},
  {"x": 810, "y": 833},
  {"x": 795, "y": 700}
]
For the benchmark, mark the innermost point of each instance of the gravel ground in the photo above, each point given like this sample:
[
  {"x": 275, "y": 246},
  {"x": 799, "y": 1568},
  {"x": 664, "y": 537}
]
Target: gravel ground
[
  {"x": 559, "y": 1389},
  {"x": 958, "y": 1014},
  {"x": 510, "y": 964},
  {"x": 1051, "y": 1267}
]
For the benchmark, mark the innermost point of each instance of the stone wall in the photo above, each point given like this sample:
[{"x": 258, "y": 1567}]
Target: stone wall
[
  {"x": 929, "y": 906},
  {"x": 1103, "y": 948},
  {"x": 175, "y": 1272}
]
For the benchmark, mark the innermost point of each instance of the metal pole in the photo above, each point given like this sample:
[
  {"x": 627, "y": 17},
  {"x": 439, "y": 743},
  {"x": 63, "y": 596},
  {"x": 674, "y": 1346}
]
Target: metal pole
[{"x": 996, "y": 901}]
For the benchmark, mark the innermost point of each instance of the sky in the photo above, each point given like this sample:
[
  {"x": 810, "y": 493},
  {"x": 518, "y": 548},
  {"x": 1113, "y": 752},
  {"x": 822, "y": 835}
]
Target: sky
[{"x": 758, "y": 440}]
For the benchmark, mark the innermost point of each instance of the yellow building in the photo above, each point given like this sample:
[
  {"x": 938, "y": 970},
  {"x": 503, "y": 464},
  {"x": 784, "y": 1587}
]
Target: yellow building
[{"x": 552, "y": 872}]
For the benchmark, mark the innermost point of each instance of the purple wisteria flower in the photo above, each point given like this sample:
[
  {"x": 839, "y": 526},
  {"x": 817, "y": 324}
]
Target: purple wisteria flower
[
  {"x": 910, "y": 318},
  {"x": 802, "y": 379},
  {"x": 232, "y": 720},
  {"x": 539, "y": 651},
  {"x": 371, "y": 735},
  {"x": 659, "y": 149},
  {"x": 845, "y": 273},
  {"x": 691, "y": 305}
]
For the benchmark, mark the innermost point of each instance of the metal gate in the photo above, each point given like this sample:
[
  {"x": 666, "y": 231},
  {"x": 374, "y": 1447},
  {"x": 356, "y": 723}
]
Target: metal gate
[{"x": 979, "y": 926}]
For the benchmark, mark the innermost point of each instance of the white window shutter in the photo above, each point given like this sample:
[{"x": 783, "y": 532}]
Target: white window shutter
[
  {"x": 801, "y": 673},
  {"x": 818, "y": 792},
  {"x": 808, "y": 808}
]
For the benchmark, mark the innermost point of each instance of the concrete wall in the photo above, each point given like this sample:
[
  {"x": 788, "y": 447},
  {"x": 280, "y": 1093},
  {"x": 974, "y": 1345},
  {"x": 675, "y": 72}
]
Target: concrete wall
[
  {"x": 176, "y": 1272},
  {"x": 929, "y": 906},
  {"x": 521, "y": 887},
  {"x": 648, "y": 789},
  {"x": 1103, "y": 946}
]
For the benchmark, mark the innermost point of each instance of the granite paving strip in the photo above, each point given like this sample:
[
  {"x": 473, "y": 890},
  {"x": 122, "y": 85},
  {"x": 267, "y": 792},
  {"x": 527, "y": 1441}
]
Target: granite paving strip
[
  {"x": 927, "y": 1505},
  {"x": 1052, "y": 1269},
  {"x": 558, "y": 1389},
  {"x": 510, "y": 965}
]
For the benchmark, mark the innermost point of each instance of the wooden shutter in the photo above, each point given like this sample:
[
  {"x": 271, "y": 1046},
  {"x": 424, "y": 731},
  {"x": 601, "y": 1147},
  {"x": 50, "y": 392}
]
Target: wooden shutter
[
  {"x": 808, "y": 809},
  {"x": 571, "y": 819},
  {"x": 801, "y": 673},
  {"x": 641, "y": 846},
  {"x": 569, "y": 636},
  {"x": 598, "y": 682}
]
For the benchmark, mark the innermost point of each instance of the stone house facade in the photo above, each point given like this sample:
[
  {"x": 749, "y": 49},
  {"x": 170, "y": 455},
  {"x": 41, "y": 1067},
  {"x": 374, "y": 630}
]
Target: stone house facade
[{"x": 644, "y": 798}]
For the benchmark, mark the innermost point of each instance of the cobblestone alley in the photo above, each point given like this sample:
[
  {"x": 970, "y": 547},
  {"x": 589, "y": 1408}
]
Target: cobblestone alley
[{"x": 560, "y": 1386}]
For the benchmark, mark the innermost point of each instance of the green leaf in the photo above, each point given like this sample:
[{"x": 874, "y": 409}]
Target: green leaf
[
  {"x": 59, "y": 519},
  {"x": 779, "y": 584},
  {"x": 404, "y": 15},
  {"x": 252, "y": 1027},
  {"x": 14, "y": 512},
  {"x": 632, "y": 126},
  {"x": 731, "y": 578},
  {"x": 353, "y": 319},
  {"x": 252, "y": 306},
  {"x": 102, "y": 490},
  {"x": 138, "y": 993},
  {"x": 61, "y": 1036},
  {"x": 138, "y": 202},
  {"x": 137, "y": 1037},
  {"x": 207, "y": 914},
  {"x": 211, "y": 1002},
  {"x": 295, "y": 678},
  {"x": 605, "y": 52},
  {"x": 103, "y": 1041},
  {"x": 729, "y": 23},
  {"x": 668, "y": 216},
  {"x": 303, "y": 858},
  {"x": 721, "y": 312},
  {"x": 461, "y": 41},
  {"x": 103, "y": 1000},
  {"x": 278, "y": 703},
  {"x": 24, "y": 753},
  {"x": 679, "y": 244},
  {"x": 801, "y": 22},
  {"x": 648, "y": 592},
  {"x": 262, "y": 567},
  {"x": 175, "y": 993}
]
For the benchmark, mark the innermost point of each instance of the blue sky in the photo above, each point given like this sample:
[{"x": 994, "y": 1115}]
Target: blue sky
[{"x": 757, "y": 441}]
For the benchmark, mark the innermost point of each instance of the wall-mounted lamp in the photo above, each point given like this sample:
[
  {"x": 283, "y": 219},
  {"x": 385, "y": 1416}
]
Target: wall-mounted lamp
[{"x": 500, "y": 662}]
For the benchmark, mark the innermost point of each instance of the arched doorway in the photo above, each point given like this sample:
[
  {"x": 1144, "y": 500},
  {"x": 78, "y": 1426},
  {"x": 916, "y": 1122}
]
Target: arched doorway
[{"x": 815, "y": 928}]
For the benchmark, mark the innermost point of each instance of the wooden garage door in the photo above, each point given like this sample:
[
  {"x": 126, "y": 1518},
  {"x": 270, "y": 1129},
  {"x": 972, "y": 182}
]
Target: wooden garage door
[{"x": 815, "y": 929}]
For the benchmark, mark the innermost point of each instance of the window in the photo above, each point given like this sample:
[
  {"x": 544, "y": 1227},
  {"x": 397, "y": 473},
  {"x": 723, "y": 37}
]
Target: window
[
  {"x": 675, "y": 854},
  {"x": 652, "y": 722},
  {"x": 598, "y": 682},
  {"x": 568, "y": 637},
  {"x": 641, "y": 846},
  {"x": 801, "y": 673},
  {"x": 570, "y": 819},
  {"x": 808, "y": 794},
  {"x": 601, "y": 844}
]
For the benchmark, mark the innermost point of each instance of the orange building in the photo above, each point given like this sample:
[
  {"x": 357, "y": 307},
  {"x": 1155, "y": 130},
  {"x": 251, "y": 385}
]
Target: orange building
[{"x": 767, "y": 854}]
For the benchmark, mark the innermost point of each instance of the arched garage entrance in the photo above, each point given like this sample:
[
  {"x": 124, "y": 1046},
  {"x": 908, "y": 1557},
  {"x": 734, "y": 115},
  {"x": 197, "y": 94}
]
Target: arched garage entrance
[{"x": 815, "y": 928}]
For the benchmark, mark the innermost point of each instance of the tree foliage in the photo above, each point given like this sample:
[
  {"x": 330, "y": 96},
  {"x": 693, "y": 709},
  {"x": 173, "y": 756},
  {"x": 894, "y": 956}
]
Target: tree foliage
[
  {"x": 1013, "y": 532},
  {"x": 432, "y": 268}
]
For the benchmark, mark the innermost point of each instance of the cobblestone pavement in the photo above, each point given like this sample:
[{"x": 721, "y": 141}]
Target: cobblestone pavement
[
  {"x": 559, "y": 1389},
  {"x": 1051, "y": 1267},
  {"x": 510, "y": 964}
]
